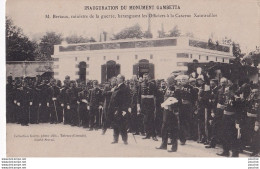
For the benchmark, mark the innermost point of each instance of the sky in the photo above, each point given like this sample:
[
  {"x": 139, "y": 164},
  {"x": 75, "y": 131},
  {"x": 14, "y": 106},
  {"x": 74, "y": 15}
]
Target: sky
[{"x": 236, "y": 19}]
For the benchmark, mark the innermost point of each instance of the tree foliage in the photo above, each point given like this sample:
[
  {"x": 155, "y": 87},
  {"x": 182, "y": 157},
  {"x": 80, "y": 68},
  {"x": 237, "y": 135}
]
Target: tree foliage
[
  {"x": 46, "y": 46},
  {"x": 18, "y": 46},
  {"x": 174, "y": 32},
  {"x": 133, "y": 32},
  {"x": 78, "y": 39}
]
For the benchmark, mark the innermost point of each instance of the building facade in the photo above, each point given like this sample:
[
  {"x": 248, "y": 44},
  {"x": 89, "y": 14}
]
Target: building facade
[{"x": 158, "y": 57}]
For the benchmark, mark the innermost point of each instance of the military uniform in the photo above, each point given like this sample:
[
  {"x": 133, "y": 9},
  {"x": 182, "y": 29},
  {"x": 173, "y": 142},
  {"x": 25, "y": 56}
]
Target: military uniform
[
  {"x": 44, "y": 99},
  {"x": 188, "y": 96},
  {"x": 107, "y": 116},
  {"x": 217, "y": 119},
  {"x": 211, "y": 105},
  {"x": 84, "y": 113},
  {"x": 159, "y": 114},
  {"x": 23, "y": 102},
  {"x": 134, "y": 127},
  {"x": 229, "y": 120},
  {"x": 170, "y": 125},
  {"x": 252, "y": 120},
  {"x": 64, "y": 99},
  {"x": 95, "y": 100},
  {"x": 73, "y": 106},
  {"x": 10, "y": 92},
  {"x": 201, "y": 114},
  {"x": 146, "y": 98},
  {"x": 54, "y": 93}
]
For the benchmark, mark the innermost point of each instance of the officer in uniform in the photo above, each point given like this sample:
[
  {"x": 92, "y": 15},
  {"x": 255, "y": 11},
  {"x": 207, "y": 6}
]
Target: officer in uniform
[
  {"x": 230, "y": 123},
  {"x": 201, "y": 105},
  {"x": 217, "y": 115},
  {"x": 146, "y": 104},
  {"x": 159, "y": 100},
  {"x": 23, "y": 102},
  {"x": 170, "y": 125},
  {"x": 36, "y": 95},
  {"x": 17, "y": 108},
  {"x": 188, "y": 97},
  {"x": 83, "y": 97},
  {"x": 44, "y": 102},
  {"x": 73, "y": 105},
  {"x": 54, "y": 93},
  {"x": 95, "y": 103},
  {"x": 120, "y": 101},
  {"x": 64, "y": 99},
  {"x": 252, "y": 121},
  {"x": 107, "y": 92},
  {"x": 9, "y": 100},
  {"x": 211, "y": 105}
]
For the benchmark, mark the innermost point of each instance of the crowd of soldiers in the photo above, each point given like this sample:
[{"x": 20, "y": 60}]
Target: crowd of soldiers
[{"x": 185, "y": 107}]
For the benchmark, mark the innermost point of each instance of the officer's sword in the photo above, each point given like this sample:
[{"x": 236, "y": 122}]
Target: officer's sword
[
  {"x": 178, "y": 119},
  {"x": 38, "y": 114},
  {"x": 56, "y": 111},
  {"x": 134, "y": 138},
  {"x": 29, "y": 114},
  {"x": 78, "y": 114},
  {"x": 63, "y": 118}
]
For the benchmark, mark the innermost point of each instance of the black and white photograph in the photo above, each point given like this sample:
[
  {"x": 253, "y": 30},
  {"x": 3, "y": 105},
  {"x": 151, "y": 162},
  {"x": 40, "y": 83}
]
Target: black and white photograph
[{"x": 93, "y": 78}]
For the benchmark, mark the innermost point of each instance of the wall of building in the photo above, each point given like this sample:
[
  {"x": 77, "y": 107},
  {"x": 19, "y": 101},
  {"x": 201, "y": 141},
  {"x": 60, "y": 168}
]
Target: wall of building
[
  {"x": 33, "y": 68},
  {"x": 164, "y": 58}
]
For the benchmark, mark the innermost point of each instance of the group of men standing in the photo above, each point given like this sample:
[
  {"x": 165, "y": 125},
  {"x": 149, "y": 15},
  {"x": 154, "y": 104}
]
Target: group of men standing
[
  {"x": 226, "y": 114},
  {"x": 183, "y": 107}
]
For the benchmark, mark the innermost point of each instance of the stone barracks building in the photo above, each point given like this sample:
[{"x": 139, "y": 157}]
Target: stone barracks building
[{"x": 159, "y": 57}]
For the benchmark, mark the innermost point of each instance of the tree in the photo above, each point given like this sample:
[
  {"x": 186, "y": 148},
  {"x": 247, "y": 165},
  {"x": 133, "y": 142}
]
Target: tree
[
  {"x": 18, "y": 46},
  {"x": 47, "y": 44},
  {"x": 174, "y": 32},
  {"x": 130, "y": 32},
  {"x": 76, "y": 39},
  {"x": 148, "y": 35},
  {"x": 189, "y": 34}
]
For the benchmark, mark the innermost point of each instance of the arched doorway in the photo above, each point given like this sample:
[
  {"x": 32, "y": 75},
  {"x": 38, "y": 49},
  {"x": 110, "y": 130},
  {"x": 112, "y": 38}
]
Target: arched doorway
[
  {"x": 82, "y": 71},
  {"x": 143, "y": 66},
  {"x": 109, "y": 70}
]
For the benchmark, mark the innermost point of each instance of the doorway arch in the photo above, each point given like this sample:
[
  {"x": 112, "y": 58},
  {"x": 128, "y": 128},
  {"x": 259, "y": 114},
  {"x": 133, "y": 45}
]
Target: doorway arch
[
  {"x": 109, "y": 70},
  {"x": 82, "y": 71},
  {"x": 143, "y": 66}
]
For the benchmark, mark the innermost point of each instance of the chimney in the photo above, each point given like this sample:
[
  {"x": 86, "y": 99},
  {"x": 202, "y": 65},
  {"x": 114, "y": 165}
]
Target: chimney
[
  {"x": 149, "y": 24},
  {"x": 105, "y": 35}
]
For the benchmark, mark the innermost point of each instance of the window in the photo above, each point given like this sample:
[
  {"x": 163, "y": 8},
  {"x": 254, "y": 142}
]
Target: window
[
  {"x": 216, "y": 59},
  {"x": 207, "y": 57},
  {"x": 117, "y": 57},
  {"x": 76, "y": 58},
  {"x": 223, "y": 60},
  {"x": 151, "y": 56},
  {"x": 136, "y": 56},
  {"x": 191, "y": 56},
  {"x": 182, "y": 55},
  {"x": 87, "y": 58},
  {"x": 104, "y": 57},
  {"x": 199, "y": 56}
]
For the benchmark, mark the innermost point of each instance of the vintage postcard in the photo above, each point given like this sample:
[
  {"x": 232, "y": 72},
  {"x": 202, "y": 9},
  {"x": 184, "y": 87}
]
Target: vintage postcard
[{"x": 93, "y": 78}]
